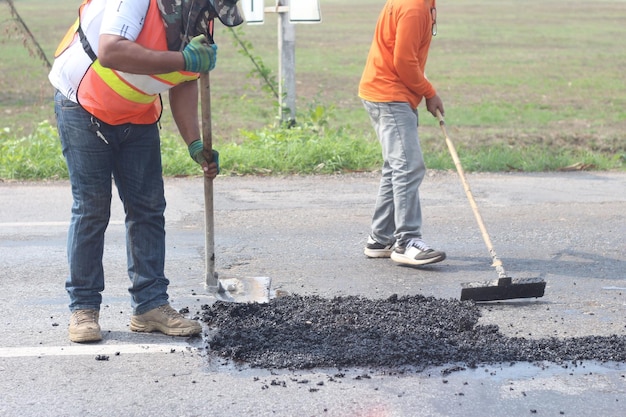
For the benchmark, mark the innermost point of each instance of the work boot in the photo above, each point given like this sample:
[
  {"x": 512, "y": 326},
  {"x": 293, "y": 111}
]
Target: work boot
[
  {"x": 374, "y": 249},
  {"x": 84, "y": 326},
  {"x": 166, "y": 320},
  {"x": 416, "y": 252}
]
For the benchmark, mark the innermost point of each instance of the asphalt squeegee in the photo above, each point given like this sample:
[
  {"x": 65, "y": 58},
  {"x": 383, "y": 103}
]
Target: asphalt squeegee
[{"x": 505, "y": 287}]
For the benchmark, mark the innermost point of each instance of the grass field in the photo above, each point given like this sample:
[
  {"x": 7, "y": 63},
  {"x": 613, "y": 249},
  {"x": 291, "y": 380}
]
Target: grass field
[{"x": 546, "y": 73}]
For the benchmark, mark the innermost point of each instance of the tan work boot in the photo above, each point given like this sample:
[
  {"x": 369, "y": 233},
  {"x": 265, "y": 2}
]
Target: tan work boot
[
  {"x": 84, "y": 326},
  {"x": 165, "y": 320}
]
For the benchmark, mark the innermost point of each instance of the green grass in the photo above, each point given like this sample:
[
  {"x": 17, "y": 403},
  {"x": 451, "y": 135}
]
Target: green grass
[
  {"x": 310, "y": 148},
  {"x": 35, "y": 156},
  {"x": 532, "y": 86}
]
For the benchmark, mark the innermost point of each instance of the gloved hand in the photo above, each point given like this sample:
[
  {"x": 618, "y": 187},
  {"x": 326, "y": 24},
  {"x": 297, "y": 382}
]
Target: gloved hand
[
  {"x": 199, "y": 55},
  {"x": 196, "y": 151}
]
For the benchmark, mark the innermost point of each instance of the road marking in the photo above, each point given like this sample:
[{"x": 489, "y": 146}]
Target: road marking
[
  {"x": 77, "y": 350},
  {"x": 49, "y": 224}
]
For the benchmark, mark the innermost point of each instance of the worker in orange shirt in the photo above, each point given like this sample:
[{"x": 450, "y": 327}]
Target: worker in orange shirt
[{"x": 392, "y": 86}]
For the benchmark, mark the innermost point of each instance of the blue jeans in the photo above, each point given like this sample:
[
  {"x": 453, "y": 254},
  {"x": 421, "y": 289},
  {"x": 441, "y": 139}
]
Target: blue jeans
[
  {"x": 397, "y": 214},
  {"x": 132, "y": 157}
]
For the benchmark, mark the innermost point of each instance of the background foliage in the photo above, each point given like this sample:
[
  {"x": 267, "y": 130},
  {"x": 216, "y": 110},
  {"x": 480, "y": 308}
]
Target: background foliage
[{"x": 533, "y": 85}]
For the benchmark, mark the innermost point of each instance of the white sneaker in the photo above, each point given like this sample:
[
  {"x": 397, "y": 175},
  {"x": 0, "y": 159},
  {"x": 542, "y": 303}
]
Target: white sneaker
[{"x": 417, "y": 252}]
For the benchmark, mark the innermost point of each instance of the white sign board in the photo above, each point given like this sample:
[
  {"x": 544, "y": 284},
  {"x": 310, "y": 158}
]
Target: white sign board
[
  {"x": 304, "y": 11},
  {"x": 253, "y": 11}
]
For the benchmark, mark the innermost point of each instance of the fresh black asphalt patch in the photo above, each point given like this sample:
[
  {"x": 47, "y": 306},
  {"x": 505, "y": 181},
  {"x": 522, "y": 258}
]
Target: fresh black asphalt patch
[{"x": 304, "y": 332}]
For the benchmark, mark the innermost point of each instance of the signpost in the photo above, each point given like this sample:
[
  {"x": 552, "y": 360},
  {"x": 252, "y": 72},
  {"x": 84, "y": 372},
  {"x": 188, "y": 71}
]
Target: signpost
[
  {"x": 305, "y": 11},
  {"x": 253, "y": 11},
  {"x": 289, "y": 12}
]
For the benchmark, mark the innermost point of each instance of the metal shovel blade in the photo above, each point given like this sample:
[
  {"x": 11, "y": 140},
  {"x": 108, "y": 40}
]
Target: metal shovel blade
[{"x": 244, "y": 290}]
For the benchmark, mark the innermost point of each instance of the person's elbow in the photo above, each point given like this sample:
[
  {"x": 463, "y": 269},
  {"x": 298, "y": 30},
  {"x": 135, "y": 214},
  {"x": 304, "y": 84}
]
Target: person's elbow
[{"x": 109, "y": 50}]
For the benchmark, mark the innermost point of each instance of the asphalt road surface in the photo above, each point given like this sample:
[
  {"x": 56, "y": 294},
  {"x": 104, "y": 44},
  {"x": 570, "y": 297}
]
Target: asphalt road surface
[{"x": 307, "y": 234}]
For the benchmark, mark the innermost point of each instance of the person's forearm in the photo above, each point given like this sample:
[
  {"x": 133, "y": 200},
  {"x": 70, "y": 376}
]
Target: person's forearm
[
  {"x": 184, "y": 104},
  {"x": 121, "y": 54}
]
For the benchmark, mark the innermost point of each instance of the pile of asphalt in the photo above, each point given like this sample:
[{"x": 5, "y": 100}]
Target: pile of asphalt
[{"x": 302, "y": 332}]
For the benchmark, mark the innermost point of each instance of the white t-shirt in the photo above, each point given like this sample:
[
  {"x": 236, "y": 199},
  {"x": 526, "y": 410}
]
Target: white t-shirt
[{"x": 111, "y": 17}]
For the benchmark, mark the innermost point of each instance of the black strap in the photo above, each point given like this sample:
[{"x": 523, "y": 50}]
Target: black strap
[{"x": 86, "y": 45}]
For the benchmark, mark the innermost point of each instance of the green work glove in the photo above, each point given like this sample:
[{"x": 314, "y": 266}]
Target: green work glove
[
  {"x": 199, "y": 55},
  {"x": 196, "y": 149}
]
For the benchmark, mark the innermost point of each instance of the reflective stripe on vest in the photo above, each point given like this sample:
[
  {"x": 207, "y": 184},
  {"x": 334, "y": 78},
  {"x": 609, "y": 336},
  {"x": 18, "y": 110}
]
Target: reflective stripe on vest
[{"x": 133, "y": 86}]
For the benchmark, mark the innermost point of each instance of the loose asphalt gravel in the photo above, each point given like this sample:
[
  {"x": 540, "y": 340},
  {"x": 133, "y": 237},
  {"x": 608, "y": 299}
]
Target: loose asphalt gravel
[{"x": 302, "y": 332}]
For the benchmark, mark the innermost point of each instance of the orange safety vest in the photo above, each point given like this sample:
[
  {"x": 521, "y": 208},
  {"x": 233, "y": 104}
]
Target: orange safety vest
[{"x": 116, "y": 97}]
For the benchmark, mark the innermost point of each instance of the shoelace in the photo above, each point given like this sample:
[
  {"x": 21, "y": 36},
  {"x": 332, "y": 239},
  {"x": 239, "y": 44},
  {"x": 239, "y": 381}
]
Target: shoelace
[
  {"x": 83, "y": 316},
  {"x": 419, "y": 244},
  {"x": 169, "y": 311}
]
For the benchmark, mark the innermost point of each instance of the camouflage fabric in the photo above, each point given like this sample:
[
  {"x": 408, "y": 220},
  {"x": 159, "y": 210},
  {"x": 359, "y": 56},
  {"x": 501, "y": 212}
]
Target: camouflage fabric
[
  {"x": 185, "y": 19},
  {"x": 228, "y": 12}
]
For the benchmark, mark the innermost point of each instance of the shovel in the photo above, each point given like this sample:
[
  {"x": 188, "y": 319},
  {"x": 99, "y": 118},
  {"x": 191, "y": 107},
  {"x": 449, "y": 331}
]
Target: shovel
[
  {"x": 236, "y": 290},
  {"x": 505, "y": 287}
]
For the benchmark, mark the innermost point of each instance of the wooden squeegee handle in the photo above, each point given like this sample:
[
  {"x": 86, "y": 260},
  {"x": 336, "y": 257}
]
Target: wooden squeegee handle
[{"x": 496, "y": 262}]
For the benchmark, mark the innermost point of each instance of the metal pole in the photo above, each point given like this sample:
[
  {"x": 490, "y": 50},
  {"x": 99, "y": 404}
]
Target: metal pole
[
  {"x": 287, "y": 67},
  {"x": 210, "y": 278}
]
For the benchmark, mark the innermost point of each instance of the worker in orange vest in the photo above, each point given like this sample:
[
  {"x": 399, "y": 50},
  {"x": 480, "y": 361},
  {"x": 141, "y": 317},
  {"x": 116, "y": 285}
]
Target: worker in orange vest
[{"x": 109, "y": 72}]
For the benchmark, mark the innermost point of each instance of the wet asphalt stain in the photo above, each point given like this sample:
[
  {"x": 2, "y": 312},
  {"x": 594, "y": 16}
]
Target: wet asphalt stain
[{"x": 304, "y": 332}]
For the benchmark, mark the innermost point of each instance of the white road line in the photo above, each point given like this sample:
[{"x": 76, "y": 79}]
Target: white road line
[
  {"x": 77, "y": 350},
  {"x": 49, "y": 224}
]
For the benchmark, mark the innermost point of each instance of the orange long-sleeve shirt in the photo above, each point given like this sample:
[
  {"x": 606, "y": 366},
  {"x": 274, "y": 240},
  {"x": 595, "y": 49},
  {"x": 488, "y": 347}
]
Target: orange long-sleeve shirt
[{"x": 395, "y": 65}]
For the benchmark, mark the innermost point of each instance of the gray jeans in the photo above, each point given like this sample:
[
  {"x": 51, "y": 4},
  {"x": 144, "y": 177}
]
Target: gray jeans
[{"x": 397, "y": 215}]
